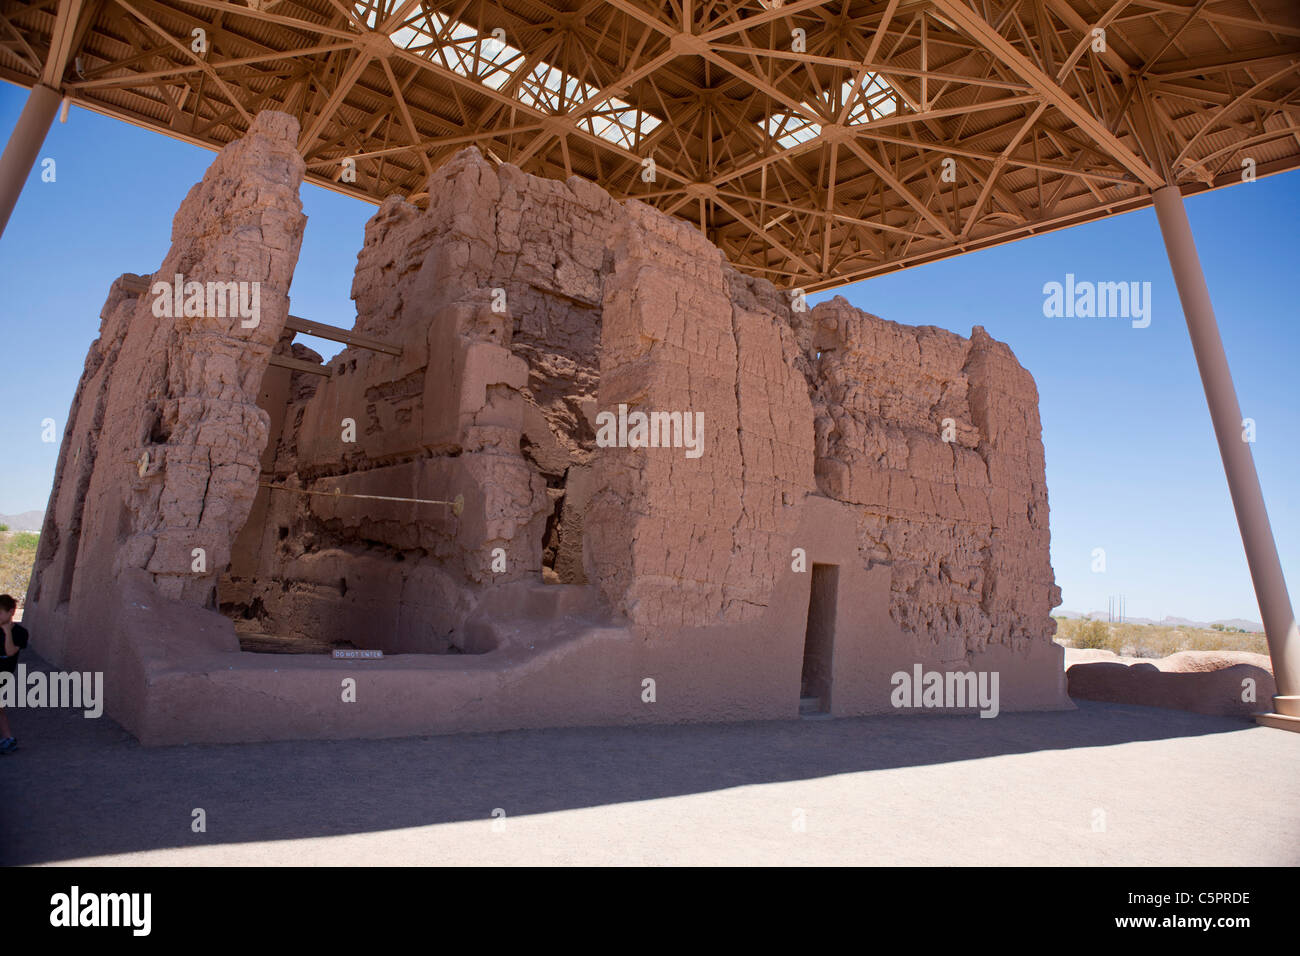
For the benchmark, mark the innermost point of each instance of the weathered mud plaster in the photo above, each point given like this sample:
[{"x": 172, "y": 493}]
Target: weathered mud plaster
[
  {"x": 581, "y": 583},
  {"x": 936, "y": 441},
  {"x": 673, "y": 540},
  {"x": 160, "y": 456}
]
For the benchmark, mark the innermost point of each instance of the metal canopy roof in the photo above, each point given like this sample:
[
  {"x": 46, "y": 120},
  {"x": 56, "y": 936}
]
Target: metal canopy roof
[{"x": 815, "y": 142}]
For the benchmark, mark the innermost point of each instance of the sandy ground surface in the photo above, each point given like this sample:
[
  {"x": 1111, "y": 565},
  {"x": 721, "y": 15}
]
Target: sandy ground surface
[{"x": 1105, "y": 784}]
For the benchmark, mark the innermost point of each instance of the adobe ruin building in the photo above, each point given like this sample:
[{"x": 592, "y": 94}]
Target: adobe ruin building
[{"x": 869, "y": 496}]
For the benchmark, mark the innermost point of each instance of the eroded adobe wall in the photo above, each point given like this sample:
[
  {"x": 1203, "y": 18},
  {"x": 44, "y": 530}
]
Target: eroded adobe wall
[
  {"x": 932, "y": 438},
  {"x": 161, "y": 449},
  {"x": 935, "y": 440},
  {"x": 56, "y": 556},
  {"x": 493, "y": 294},
  {"x": 910, "y": 458},
  {"x": 675, "y": 540},
  {"x": 523, "y": 307}
]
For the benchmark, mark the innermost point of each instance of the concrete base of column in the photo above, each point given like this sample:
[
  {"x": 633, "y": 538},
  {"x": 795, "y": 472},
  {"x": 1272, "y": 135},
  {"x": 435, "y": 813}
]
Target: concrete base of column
[{"x": 1285, "y": 715}]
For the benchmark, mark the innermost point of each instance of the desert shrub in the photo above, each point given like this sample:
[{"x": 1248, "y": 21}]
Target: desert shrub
[
  {"x": 1092, "y": 634},
  {"x": 17, "y": 555},
  {"x": 1250, "y": 641},
  {"x": 1153, "y": 640}
]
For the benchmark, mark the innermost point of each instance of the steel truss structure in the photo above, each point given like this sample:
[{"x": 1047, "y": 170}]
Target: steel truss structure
[{"x": 815, "y": 141}]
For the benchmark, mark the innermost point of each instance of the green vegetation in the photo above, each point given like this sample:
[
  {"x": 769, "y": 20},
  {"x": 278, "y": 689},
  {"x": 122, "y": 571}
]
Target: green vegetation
[
  {"x": 1153, "y": 640},
  {"x": 17, "y": 555},
  {"x": 1093, "y": 634}
]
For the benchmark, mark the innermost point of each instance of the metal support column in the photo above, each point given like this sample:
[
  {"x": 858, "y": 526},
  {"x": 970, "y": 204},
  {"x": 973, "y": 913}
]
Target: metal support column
[
  {"x": 1243, "y": 482},
  {"x": 24, "y": 146}
]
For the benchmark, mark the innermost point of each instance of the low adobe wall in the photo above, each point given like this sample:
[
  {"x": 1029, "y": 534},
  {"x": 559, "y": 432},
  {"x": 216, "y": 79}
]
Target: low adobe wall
[
  {"x": 1223, "y": 683},
  {"x": 174, "y": 674}
]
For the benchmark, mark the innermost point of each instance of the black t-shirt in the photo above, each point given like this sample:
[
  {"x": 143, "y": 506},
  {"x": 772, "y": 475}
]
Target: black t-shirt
[{"x": 20, "y": 641}]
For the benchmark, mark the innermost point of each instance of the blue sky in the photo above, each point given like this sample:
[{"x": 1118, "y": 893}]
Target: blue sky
[{"x": 1132, "y": 464}]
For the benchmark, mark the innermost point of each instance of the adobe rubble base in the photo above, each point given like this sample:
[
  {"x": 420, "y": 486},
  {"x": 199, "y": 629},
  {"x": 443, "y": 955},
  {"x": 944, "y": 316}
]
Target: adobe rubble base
[{"x": 908, "y": 458}]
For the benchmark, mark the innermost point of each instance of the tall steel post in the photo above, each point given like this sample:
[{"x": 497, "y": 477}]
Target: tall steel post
[
  {"x": 24, "y": 146},
  {"x": 1238, "y": 463}
]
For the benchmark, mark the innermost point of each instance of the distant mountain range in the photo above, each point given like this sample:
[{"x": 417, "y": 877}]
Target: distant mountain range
[
  {"x": 27, "y": 521},
  {"x": 1237, "y": 622}
]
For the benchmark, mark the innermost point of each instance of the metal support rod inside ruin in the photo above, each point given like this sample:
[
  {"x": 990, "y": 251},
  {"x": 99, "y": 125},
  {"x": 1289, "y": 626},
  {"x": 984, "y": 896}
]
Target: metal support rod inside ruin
[
  {"x": 457, "y": 504},
  {"x": 1243, "y": 481},
  {"x": 24, "y": 146}
]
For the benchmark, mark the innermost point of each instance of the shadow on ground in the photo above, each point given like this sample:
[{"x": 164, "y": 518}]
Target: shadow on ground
[{"x": 79, "y": 788}]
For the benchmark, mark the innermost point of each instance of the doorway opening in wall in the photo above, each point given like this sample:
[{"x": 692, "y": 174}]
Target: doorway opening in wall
[{"x": 819, "y": 642}]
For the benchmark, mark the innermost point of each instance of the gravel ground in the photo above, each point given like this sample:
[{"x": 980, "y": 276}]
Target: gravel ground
[{"x": 1105, "y": 784}]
